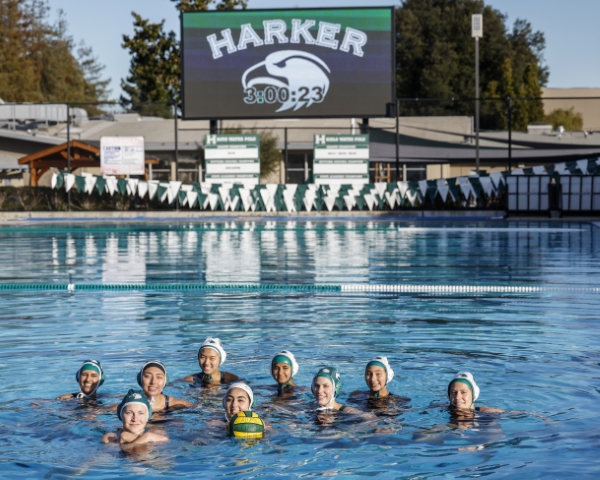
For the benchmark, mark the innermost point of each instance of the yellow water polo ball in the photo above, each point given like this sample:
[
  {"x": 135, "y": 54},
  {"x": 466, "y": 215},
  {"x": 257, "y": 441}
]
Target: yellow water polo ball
[{"x": 246, "y": 425}]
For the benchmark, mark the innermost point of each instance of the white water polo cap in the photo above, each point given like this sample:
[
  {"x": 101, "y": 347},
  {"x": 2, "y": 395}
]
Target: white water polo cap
[
  {"x": 383, "y": 363},
  {"x": 467, "y": 379},
  {"x": 245, "y": 387},
  {"x": 215, "y": 344},
  {"x": 285, "y": 356}
]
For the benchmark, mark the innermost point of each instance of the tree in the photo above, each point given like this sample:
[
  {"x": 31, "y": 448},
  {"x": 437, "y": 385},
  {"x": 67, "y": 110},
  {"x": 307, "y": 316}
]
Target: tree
[
  {"x": 435, "y": 55},
  {"x": 154, "y": 69},
  {"x": 532, "y": 90},
  {"x": 37, "y": 63},
  {"x": 570, "y": 120},
  {"x": 201, "y": 5},
  {"x": 19, "y": 80},
  {"x": 270, "y": 155},
  {"x": 152, "y": 86},
  {"x": 61, "y": 74},
  {"x": 95, "y": 85}
]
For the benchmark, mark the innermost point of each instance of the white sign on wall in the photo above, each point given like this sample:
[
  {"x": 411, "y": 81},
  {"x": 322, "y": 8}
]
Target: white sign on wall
[
  {"x": 232, "y": 158},
  {"x": 341, "y": 159},
  {"x": 122, "y": 155}
]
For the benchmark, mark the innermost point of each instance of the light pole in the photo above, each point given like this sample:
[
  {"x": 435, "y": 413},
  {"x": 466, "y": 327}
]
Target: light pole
[{"x": 477, "y": 33}]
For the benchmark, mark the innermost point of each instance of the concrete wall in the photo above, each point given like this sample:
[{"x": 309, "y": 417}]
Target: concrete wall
[{"x": 588, "y": 107}]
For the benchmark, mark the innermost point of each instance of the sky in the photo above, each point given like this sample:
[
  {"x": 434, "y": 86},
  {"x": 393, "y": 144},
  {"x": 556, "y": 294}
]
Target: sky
[{"x": 571, "y": 30}]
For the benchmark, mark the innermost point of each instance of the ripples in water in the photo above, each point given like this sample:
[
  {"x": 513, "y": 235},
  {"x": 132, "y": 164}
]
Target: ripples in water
[{"x": 530, "y": 352}]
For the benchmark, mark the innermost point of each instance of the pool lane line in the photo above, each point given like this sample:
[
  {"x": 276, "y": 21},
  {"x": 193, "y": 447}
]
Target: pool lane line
[
  {"x": 257, "y": 287},
  {"x": 248, "y": 287},
  {"x": 461, "y": 288},
  {"x": 486, "y": 230}
]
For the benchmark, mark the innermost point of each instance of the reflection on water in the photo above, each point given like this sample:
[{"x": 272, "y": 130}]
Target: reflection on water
[{"x": 531, "y": 352}]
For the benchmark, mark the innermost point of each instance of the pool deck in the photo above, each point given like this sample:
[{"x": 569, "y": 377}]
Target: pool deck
[{"x": 197, "y": 216}]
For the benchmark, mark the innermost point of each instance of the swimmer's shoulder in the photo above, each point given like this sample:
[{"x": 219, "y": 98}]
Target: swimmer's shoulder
[
  {"x": 355, "y": 411},
  {"x": 111, "y": 437},
  {"x": 348, "y": 409},
  {"x": 193, "y": 378},
  {"x": 399, "y": 398},
  {"x": 489, "y": 410},
  {"x": 67, "y": 396},
  {"x": 179, "y": 403},
  {"x": 227, "y": 377},
  {"x": 153, "y": 436}
]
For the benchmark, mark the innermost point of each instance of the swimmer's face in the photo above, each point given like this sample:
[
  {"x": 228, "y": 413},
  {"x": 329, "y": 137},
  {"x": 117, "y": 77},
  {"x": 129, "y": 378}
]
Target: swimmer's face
[
  {"x": 323, "y": 391},
  {"x": 237, "y": 401},
  {"x": 88, "y": 381},
  {"x": 209, "y": 360},
  {"x": 282, "y": 372},
  {"x": 153, "y": 381},
  {"x": 375, "y": 377},
  {"x": 461, "y": 396},
  {"x": 135, "y": 417}
]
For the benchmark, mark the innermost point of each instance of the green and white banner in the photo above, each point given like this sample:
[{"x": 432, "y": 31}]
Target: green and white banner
[
  {"x": 349, "y": 195},
  {"x": 232, "y": 158},
  {"x": 341, "y": 159}
]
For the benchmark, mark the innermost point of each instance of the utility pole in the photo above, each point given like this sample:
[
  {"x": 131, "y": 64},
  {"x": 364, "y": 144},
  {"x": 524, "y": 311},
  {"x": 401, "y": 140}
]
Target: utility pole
[
  {"x": 176, "y": 126},
  {"x": 477, "y": 33},
  {"x": 69, "y": 153},
  {"x": 398, "y": 141}
]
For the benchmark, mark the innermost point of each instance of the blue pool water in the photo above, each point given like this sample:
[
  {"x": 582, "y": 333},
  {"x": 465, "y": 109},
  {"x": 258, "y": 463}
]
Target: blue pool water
[{"x": 531, "y": 351}]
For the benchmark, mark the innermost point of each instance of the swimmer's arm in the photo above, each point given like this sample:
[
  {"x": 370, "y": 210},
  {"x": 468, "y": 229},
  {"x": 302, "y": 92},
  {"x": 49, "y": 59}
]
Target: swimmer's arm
[
  {"x": 491, "y": 410},
  {"x": 352, "y": 410},
  {"x": 151, "y": 436},
  {"x": 179, "y": 403},
  {"x": 110, "y": 438},
  {"x": 230, "y": 377},
  {"x": 215, "y": 422},
  {"x": 189, "y": 379},
  {"x": 356, "y": 411},
  {"x": 66, "y": 396},
  {"x": 531, "y": 414}
]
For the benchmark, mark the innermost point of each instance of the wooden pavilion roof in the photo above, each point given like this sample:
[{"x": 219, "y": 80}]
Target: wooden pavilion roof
[{"x": 82, "y": 155}]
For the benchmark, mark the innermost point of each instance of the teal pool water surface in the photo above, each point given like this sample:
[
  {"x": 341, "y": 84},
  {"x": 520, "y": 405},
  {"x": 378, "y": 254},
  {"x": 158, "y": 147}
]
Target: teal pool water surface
[{"x": 534, "y": 350}]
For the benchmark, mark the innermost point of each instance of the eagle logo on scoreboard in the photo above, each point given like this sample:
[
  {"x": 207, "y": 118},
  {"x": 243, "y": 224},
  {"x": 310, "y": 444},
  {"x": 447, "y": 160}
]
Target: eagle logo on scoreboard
[{"x": 291, "y": 78}]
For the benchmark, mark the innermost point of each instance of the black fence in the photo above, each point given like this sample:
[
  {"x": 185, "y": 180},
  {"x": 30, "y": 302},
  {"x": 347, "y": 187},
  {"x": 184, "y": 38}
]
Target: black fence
[{"x": 542, "y": 193}]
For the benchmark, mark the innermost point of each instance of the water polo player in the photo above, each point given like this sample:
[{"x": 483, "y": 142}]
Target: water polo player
[
  {"x": 211, "y": 356},
  {"x": 153, "y": 378},
  {"x": 378, "y": 374},
  {"x": 239, "y": 398},
  {"x": 326, "y": 386},
  {"x": 463, "y": 392},
  {"x": 89, "y": 376},
  {"x": 283, "y": 368},
  {"x": 134, "y": 411}
]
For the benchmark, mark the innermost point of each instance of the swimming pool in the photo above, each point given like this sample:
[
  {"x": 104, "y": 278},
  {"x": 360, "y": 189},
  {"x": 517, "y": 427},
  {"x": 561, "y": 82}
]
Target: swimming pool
[{"x": 531, "y": 350}]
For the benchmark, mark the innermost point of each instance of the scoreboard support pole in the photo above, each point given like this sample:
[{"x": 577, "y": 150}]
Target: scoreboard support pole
[
  {"x": 285, "y": 154},
  {"x": 364, "y": 126},
  {"x": 213, "y": 127}
]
